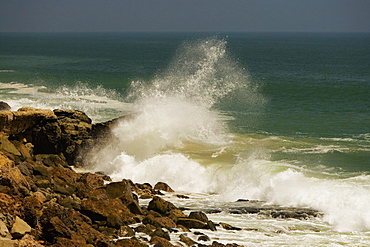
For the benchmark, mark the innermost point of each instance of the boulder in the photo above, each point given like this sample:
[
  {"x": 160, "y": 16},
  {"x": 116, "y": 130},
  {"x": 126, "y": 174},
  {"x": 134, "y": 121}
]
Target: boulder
[
  {"x": 130, "y": 243},
  {"x": 112, "y": 211},
  {"x": 162, "y": 222},
  {"x": 4, "y": 232},
  {"x": 198, "y": 215},
  {"x": 188, "y": 241},
  {"x": 160, "y": 205},
  {"x": 163, "y": 186},
  {"x": 4, "y": 106},
  {"x": 16, "y": 122},
  {"x": 192, "y": 223},
  {"x": 159, "y": 241}
]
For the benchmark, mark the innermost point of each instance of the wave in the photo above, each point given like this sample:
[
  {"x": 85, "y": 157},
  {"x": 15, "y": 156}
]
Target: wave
[{"x": 178, "y": 136}]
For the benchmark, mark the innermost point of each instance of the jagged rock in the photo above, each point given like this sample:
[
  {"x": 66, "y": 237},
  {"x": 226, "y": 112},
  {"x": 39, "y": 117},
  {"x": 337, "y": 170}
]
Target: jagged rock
[
  {"x": 160, "y": 205},
  {"x": 20, "y": 228},
  {"x": 163, "y": 186},
  {"x": 4, "y": 106}
]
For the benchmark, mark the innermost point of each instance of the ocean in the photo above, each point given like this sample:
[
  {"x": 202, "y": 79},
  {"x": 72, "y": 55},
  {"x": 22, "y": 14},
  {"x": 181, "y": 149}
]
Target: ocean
[{"x": 282, "y": 118}]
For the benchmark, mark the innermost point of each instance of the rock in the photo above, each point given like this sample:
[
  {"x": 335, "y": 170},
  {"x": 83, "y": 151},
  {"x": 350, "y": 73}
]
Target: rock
[
  {"x": 20, "y": 228},
  {"x": 175, "y": 214},
  {"x": 7, "y": 242},
  {"x": 6, "y": 145},
  {"x": 158, "y": 241},
  {"x": 203, "y": 238},
  {"x": 28, "y": 241},
  {"x": 113, "y": 211},
  {"x": 125, "y": 231},
  {"x": 192, "y": 223},
  {"x": 162, "y": 222},
  {"x": 160, "y": 205},
  {"x": 4, "y": 106},
  {"x": 16, "y": 122},
  {"x": 159, "y": 232},
  {"x": 229, "y": 227},
  {"x": 188, "y": 241},
  {"x": 198, "y": 215},
  {"x": 4, "y": 232},
  {"x": 163, "y": 186},
  {"x": 130, "y": 243}
]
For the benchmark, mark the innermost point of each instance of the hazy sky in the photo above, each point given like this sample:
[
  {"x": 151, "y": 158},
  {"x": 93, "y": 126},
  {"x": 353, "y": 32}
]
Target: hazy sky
[{"x": 184, "y": 15}]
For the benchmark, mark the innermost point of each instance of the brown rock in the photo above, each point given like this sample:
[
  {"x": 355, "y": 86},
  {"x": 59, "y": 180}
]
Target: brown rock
[
  {"x": 9, "y": 147},
  {"x": 160, "y": 205},
  {"x": 163, "y": 186},
  {"x": 188, "y": 241},
  {"x": 20, "y": 228},
  {"x": 4, "y": 232},
  {"x": 28, "y": 241},
  {"x": 7, "y": 242},
  {"x": 130, "y": 243},
  {"x": 113, "y": 211},
  {"x": 229, "y": 227},
  {"x": 198, "y": 215},
  {"x": 158, "y": 240},
  {"x": 162, "y": 222},
  {"x": 192, "y": 223},
  {"x": 15, "y": 122}
]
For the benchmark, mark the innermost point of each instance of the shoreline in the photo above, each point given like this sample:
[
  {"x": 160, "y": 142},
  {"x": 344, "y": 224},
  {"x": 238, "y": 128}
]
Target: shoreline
[{"x": 44, "y": 202}]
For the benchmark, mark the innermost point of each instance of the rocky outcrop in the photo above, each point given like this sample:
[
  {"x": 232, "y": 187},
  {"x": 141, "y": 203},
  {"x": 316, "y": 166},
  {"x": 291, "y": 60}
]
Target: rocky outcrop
[
  {"x": 43, "y": 202},
  {"x": 4, "y": 106}
]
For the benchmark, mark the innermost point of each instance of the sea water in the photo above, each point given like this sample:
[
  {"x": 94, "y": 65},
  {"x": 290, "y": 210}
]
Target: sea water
[{"x": 276, "y": 117}]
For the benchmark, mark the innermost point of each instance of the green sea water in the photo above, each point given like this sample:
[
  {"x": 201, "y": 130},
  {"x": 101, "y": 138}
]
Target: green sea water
[{"x": 280, "y": 117}]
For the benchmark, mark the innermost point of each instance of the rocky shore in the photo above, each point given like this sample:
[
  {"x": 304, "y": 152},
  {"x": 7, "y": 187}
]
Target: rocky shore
[{"x": 44, "y": 202}]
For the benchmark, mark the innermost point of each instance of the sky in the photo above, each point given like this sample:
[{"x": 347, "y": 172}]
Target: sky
[{"x": 184, "y": 15}]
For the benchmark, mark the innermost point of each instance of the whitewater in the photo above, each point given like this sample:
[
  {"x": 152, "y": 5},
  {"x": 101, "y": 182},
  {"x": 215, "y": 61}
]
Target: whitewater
[{"x": 177, "y": 130}]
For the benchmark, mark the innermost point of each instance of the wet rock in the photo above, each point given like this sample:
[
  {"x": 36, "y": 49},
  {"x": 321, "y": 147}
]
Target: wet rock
[
  {"x": 163, "y": 186},
  {"x": 20, "y": 228},
  {"x": 159, "y": 232},
  {"x": 125, "y": 231},
  {"x": 188, "y": 241},
  {"x": 203, "y": 238},
  {"x": 192, "y": 223},
  {"x": 162, "y": 222},
  {"x": 229, "y": 227},
  {"x": 130, "y": 243},
  {"x": 160, "y": 205},
  {"x": 4, "y": 106},
  {"x": 198, "y": 215},
  {"x": 158, "y": 241}
]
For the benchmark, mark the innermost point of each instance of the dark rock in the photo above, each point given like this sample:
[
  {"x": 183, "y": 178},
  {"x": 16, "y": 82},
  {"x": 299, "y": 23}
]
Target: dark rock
[
  {"x": 160, "y": 205},
  {"x": 159, "y": 232},
  {"x": 4, "y": 106},
  {"x": 163, "y": 186},
  {"x": 113, "y": 211},
  {"x": 162, "y": 222},
  {"x": 203, "y": 238},
  {"x": 198, "y": 215},
  {"x": 156, "y": 240},
  {"x": 192, "y": 223},
  {"x": 188, "y": 241},
  {"x": 130, "y": 243},
  {"x": 229, "y": 227}
]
